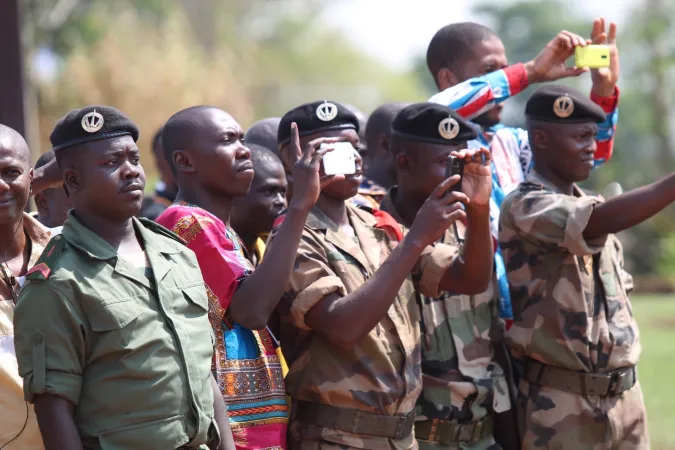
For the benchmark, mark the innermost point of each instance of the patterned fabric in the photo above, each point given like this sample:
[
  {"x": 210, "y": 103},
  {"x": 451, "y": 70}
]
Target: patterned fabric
[
  {"x": 381, "y": 373},
  {"x": 245, "y": 364},
  {"x": 510, "y": 147},
  {"x": 461, "y": 381},
  {"x": 571, "y": 310},
  {"x": 370, "y": 194},
  {"x": 12, "y": 404}
]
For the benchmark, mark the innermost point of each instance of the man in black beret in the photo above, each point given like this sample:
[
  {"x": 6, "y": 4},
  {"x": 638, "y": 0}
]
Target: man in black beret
[
  {"x": 423, "y": 137},
  {"x": 108, "y": 295},
  {"x": 574, "y": 339},
  {"x": 349, "y": 315}
]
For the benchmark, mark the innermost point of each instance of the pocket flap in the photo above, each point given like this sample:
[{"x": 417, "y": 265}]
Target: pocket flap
[{"x": 114, "y": 316}]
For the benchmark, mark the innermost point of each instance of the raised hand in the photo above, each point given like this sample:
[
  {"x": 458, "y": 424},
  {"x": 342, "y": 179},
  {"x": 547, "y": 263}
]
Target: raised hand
[
  {"x": 606, "y": 78},
  {"x": 438, "y": 212},
  {"x": 477, "y": 177},
  {"x": 307, "y": 182},
  {"x": 549, "y": 65}
]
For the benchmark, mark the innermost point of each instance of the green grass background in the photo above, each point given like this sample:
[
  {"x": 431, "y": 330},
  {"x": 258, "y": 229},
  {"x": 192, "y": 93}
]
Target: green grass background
[{"x": 656, "y": 318}]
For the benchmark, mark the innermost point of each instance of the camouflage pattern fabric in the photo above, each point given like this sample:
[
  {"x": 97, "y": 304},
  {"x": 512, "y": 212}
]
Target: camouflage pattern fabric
[
  {"x": 461, "y": 381},
  {"x": 381, "y": 374},
  {"x": 571, "y": 310},
  {"x": 370, "y": 194}
]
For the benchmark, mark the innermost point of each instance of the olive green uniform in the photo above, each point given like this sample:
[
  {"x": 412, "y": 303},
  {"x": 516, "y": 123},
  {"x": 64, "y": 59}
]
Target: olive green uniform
[{"x": 129, "y": 348}]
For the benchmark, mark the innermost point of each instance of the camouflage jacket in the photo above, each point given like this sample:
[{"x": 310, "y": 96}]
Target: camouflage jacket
[
  {"x": 570, "y": 296},
  {"x": 381, "y": 373},
  {"x": 461, "y": 381}
]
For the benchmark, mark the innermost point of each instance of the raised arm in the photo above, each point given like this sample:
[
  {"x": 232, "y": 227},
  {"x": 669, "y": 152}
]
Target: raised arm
[{"x": 345, "y": 318}]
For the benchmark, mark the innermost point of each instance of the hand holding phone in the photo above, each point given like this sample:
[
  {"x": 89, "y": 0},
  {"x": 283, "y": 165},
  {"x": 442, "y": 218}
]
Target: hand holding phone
[
  {"x": 592, "y": 56},
  {"x": 340, "y": 161},
  {"x": 455, "y": 166}
]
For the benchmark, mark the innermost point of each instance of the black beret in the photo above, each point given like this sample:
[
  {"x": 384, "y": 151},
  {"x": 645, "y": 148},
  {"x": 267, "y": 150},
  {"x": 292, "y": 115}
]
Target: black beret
[
  {"x": 315, "y": 117},
  {"x": 91, "y": 123},
  {"x": 562, "y": 104},
  {"x": 431, "y": 122}
]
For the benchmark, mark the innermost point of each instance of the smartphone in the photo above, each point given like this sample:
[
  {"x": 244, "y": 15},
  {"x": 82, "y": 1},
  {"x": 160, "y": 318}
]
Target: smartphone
[
  {"x": 340, "y": 161},
  {"x": 592, "y": 56},
  {"x": 455, "y": 166}
]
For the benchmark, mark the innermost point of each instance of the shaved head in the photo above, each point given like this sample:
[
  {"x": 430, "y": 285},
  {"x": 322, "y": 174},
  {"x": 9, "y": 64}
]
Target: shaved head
[
  {"x": 183, "y": 129},
  {"x": 11, "y": 140},
  {"x": 264, "y": 133},
  {"x": 380, "y": 121}
]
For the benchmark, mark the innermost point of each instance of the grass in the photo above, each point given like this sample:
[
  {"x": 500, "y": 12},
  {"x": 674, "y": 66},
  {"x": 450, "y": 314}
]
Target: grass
[{"x": 656, "y": 318}]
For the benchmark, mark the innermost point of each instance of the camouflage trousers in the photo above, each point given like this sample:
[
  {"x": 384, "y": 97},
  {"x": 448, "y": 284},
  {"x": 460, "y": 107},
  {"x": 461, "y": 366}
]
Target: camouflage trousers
[
  {"x": 309, "y": 437},
  {"x": 486, "y": 444},
  {"x": 560, "y": 420}
]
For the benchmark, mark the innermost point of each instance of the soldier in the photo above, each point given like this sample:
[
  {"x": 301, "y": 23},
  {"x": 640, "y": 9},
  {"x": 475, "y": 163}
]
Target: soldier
[
  {"x": 24, "y": 238},
  {"x": 462, "y": 385},
  {"x": 575, "y": 338},
  {"x": 350, "y": 322},
  {"x": 111, "y": 324},
  {"x": 468, "y": 63},
  {"x": 52, "y": 204}
]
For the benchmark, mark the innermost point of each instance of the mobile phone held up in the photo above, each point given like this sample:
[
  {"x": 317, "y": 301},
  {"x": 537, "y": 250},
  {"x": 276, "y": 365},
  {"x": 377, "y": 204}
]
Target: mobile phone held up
[
  {"x": 592, "y": 56},
  {"x": 340, "y": 161},
  {"x": 455, "y": 166}
]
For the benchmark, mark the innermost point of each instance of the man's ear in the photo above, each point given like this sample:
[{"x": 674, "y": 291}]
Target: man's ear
[
  {"x": 41, "y": 202},
  {"x": 403, "y": 162},
  {"x": 183, "y": 161},
  {"x": 539, "y": 138},
  {"x": 446, "y": 78},
  {"x": 71, "y": 180}
]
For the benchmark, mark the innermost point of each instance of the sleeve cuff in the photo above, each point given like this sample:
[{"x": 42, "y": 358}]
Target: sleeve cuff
[
  {"x": 576, "y": 224},
  {"x": 311, "y": 295},
  {"x": 517, "y": 78},
  {"x": 66, "y": 385},
  {"x": 435, "y": 266},
  {"x": 608, "y": 104}
]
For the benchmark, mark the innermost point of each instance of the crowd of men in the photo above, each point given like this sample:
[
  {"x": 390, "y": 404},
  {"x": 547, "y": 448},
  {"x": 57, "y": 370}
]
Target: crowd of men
[{"x": 254, "y": 302}]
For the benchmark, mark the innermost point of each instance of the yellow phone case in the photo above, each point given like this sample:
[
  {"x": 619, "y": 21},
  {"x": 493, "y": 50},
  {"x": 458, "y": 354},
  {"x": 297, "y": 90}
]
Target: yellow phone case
[{"x": 592, "y": 56}]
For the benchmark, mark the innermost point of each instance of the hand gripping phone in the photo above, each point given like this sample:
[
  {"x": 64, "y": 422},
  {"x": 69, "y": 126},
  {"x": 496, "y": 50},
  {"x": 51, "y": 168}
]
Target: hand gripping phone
[
  {"x": 340, "y": 161},
  {"x": 455, "y": 166},
  {"x": 592, "y": 56}
]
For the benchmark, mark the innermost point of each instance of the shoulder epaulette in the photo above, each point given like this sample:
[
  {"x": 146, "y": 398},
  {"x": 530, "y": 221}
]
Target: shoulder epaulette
[
  {"x": 367, "y": 209},
  {"x": 157, "y": 228},
  {"x": 43, "y": 267}
]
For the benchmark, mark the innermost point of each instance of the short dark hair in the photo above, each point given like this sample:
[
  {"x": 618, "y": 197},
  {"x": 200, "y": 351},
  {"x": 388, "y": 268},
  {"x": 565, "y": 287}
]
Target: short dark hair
[
  {"x": 453, "y": 44},
  {"x": 380, "y": 121},
  {"x": 262, "y": 155},
  {"x": 45, "y": 159},
  {"x": 178, "y": 132},
  {"x": 157, "y": 139}
]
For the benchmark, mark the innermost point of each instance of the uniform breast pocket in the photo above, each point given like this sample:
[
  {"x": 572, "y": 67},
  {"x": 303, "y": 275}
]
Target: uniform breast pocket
[
  {"x": 194, "y": 302},
  {"x": 114, "y": 322}
]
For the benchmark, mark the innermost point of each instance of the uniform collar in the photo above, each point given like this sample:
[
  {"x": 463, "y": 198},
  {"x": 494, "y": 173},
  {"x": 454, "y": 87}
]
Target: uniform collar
[
  {"x": 81, "y": 237},
  {"x": 389, "y": 206},
  {"x": 536, "y": 178}
]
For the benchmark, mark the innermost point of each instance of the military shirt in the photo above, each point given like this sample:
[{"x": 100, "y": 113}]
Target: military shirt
[
  {"x": 570, "y": 295},
  {"x": 381, "y": 373},
  {"x": 130, "y": 350},
  {"x": 461, "y": 381}
]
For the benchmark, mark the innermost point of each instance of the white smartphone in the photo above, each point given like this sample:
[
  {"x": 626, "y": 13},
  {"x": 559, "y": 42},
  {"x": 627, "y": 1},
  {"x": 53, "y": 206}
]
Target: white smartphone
[{"x": 340, "y": 161}]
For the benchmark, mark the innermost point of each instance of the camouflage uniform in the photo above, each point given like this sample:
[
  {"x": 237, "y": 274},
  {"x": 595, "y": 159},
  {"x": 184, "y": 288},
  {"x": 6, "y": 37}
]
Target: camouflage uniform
[
  {"x": 381, "y": 373},
  {"x": 461, "y": 381},
  {"x": 370, "y": 194},
  {"x": 571, "y": 311}
]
